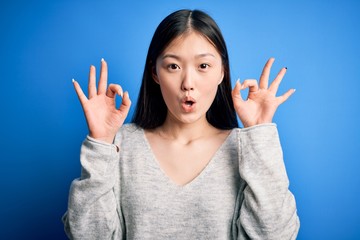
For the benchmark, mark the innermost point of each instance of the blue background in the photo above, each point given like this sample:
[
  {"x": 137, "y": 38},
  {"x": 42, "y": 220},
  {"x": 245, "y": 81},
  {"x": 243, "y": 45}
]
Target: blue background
[{"x": 44, "y": 44}]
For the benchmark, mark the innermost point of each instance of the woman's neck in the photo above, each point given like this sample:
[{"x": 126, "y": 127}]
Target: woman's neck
[{"x": 186, "y": 132}]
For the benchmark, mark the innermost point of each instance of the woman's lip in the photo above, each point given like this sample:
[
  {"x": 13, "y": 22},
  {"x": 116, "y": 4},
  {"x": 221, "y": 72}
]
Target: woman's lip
[{"x": 188, "y": 99}]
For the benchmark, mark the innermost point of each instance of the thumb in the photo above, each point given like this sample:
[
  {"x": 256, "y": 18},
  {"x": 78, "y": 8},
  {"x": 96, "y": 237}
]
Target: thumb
[
  {"x": 236, "y": 91},
  {"x": 125, "y": 104}
]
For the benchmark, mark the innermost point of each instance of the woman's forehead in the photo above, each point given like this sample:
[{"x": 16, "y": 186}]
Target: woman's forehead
[{"x": 191, "y": 43}]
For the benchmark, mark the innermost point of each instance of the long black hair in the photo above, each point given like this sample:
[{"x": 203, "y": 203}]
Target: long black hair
[{"x": 151, "y": 109}]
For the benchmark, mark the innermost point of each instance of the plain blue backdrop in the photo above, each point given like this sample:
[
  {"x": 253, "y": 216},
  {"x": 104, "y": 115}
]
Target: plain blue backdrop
[{"x": 44, "y": 44}]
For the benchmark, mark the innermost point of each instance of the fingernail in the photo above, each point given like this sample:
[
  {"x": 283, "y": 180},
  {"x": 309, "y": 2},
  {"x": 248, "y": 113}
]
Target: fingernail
[
  {"x": 73, "y": 80},
  {"x": 285, "y": 67},
  {"x": 102, "y": 59},
  {"x": 121, "y": 93},
  {"x": 294, "y": 90}
]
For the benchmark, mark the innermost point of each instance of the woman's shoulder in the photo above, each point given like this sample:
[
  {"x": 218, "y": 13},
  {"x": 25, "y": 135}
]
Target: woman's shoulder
[
  {"x": 129, "y": 132},
  {"x": 263, "y": 128},
  {"x": 130, "y": 127}
]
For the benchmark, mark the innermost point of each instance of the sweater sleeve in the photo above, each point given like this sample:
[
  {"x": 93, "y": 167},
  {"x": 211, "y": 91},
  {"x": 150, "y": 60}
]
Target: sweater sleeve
[
  {"x": 267, "y": 207},
  {"x": 93, "y": 211}
]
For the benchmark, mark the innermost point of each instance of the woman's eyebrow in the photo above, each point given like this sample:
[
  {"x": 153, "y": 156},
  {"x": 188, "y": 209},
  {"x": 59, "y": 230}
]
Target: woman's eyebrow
[
  {"x": 201, "y": 55},
  {"x": 170, "y": 56},
  {"x": 205, "y": 55}
]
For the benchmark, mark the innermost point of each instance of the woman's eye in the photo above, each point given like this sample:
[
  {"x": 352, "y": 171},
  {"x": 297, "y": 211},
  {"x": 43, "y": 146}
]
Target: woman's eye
[
  {"x": 204, "y": 66},
  {"x": 173, "y": 66}
]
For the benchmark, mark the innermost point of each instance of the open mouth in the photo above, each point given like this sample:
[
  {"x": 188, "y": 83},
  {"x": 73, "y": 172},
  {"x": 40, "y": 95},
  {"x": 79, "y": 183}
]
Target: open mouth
[{"x": 189, "y": 103}]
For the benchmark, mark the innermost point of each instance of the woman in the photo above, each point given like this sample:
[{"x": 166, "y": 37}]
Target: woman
[{"x": 183, "y": 169}]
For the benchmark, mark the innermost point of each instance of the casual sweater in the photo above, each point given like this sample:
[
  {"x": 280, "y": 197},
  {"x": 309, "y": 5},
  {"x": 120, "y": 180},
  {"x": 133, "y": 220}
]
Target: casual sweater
[{"x": 242, "y": 193}]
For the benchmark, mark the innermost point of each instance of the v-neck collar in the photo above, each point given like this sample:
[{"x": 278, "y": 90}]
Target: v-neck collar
[{"x": 196, "y": 179}]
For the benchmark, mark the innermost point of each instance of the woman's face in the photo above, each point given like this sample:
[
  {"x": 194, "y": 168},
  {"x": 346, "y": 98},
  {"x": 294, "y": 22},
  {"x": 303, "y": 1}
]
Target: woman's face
[{"x": 189, "y": 71}]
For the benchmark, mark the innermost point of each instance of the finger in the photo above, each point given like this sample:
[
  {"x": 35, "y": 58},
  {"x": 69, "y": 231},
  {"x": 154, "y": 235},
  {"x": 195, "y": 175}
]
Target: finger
[
  {"x": 79, "y": 92},
  {"x": 276, "y": 83},
  {"x": 92, "y": 82},
  {"x": 114, "y": 89},
  {"x": 252, "y": 84},
  {"x": 236, "y": 91},
  {"x": 125, "y": 104},
  {"x": 285, "y": 96},
  {"x": 264, "y": 78},
  {"x": 103, "y": 77}
]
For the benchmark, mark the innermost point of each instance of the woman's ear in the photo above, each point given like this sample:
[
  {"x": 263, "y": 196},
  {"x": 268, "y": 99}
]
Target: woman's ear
[
  {"x": 154, "y": 74},
  {"x": 222, "y": 77}
]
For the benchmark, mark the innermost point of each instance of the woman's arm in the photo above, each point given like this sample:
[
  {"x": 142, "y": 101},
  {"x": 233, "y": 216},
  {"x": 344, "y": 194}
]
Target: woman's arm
[
  {"x": 93, "y": 211},
  {"x": 268, "y": 208}
]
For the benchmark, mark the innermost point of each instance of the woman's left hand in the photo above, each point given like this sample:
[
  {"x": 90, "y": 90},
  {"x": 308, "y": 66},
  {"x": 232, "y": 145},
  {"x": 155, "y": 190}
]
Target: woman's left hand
[{"x": 261, "y": 103}]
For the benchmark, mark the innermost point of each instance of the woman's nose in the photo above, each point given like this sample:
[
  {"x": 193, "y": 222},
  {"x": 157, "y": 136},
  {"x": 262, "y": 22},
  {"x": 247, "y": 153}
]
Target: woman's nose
[{"x": 188, "y": 82}]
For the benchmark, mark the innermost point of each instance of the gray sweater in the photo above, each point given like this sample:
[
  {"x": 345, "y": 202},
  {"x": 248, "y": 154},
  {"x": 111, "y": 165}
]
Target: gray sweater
[{"x": 241, "y": 194}]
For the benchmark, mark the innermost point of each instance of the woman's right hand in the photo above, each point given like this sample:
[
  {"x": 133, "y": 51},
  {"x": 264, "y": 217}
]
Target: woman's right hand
[{"x": 102, "y": 116}]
